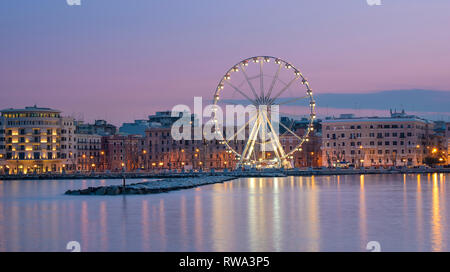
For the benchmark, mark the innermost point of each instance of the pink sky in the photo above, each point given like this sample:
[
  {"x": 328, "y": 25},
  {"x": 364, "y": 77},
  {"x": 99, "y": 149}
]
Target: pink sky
[{"x": 120, "y": 61}]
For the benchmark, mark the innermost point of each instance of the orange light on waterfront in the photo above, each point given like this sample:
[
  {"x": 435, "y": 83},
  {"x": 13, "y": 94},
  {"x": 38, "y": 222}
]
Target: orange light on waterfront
[
  {"x": 434, "y": 150},
  {"x": 417, "y": 146},
  {"x": 144, "y": 151},
  {"x": 101, "y": 153}
]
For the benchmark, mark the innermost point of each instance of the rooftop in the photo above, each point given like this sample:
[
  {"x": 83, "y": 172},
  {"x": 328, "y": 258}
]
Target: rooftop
[
  {"x": 395, "y": 117},
  {"x": 30, "y": 109}
]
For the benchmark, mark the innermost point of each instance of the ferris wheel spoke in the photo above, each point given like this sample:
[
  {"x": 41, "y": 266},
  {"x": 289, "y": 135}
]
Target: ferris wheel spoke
[
  {"x": 275, "y": 138},
  {"x": 241, "y": 92},
  {"x": 261, "y": 82},
  {"x": 285, "y": 88},
  {"x": 290, "y": 131},
  {"x": 248, "y": 81},
  {"x": 239, "y": 130},
  {"x": 291, "y": 100},
  {"x": 251, "y": 141},
  {"x": 274, "y": 80}
]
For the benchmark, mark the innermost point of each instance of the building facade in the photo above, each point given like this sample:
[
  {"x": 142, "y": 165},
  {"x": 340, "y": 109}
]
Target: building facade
[
  {"x": 447, "y": 135},
  {"x": 68, "y": 144},
  {"x": 163, "y": 152},
  {"x": 125, "y": 153},
  {"x": 399, "y": 140},
  {"x": 2, "y": 146},
  {"x": 32, "y": 140},
  {"x": 89, "y": 152},
  {"x": 309, "y": 154}
]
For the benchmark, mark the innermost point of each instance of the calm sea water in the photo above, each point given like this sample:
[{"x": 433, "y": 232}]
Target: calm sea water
[{"x": 324, "y": 213}]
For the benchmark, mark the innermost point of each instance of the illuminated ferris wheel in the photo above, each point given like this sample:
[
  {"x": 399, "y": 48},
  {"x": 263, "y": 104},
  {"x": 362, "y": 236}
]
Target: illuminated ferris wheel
[{"x": 266, "y": 84}]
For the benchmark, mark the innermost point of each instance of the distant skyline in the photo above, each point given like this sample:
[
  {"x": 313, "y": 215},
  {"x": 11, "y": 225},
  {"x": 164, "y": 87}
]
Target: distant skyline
[{"x": 123, "y": 60}]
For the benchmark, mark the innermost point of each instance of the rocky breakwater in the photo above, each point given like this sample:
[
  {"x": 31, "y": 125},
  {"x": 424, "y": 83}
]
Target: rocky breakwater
[{"x": 151, "y": 187}]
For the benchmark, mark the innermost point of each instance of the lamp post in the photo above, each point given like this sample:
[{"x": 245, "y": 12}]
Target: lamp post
[{"x": 123, "y": 176}]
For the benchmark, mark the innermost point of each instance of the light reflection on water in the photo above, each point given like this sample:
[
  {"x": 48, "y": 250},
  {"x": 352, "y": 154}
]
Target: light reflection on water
[{"x": 322, "y": 213}]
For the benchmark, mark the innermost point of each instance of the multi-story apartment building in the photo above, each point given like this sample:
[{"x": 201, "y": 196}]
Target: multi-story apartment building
[
  {"x": 68, "y": 144},
  {"x": 2, "y": 145},
  {"x": 124, "y": 152},
  {"x": 447, "y": 136},
  {"x": 398, "y": 140},
  {"x": 309, "y": 154},
  {"x": 89, "y": 152},
  {"x": 163, "y": 152},
  {"x": 32, "y": 140}
]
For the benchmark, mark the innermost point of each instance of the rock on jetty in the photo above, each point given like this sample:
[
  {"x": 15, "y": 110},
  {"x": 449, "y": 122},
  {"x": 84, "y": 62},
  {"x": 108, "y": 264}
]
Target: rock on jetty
[{"x": 151, "y": 187}]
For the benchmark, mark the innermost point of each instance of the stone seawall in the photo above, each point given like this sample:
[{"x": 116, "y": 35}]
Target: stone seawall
[{"x": 151, "y": 187}]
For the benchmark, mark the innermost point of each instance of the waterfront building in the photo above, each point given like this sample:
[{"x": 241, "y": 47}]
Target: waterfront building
[
  {"x": 31, "y": 140},
  {"x": 447, "y": 135},
  {"x": 68, "y": 144},
  {"x": 89, "y": 152},
  {"x": 124, "y": 152},
  {"x": 2, "y": 145},
  {"x": 309, "y": 154},
  {"x": 166, "y": 153},
  {"x": 100, "y": 127},
  {"x": 398, "y": 140}
]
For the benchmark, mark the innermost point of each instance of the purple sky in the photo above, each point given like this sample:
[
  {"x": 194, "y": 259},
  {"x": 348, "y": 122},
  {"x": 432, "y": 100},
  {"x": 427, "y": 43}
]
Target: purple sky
[{"x": 122, "y": 60}]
